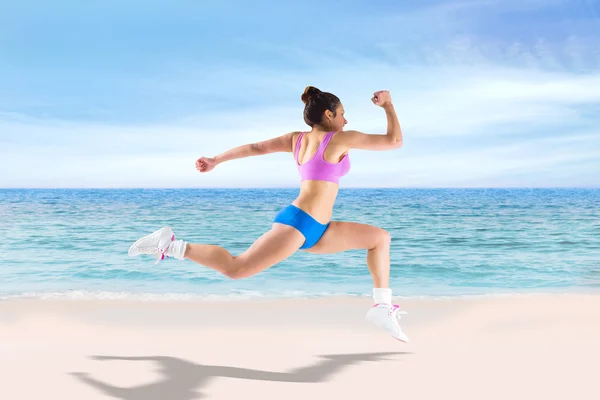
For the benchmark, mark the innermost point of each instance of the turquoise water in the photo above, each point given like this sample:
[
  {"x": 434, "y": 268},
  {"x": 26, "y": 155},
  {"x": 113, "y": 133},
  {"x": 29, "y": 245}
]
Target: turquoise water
[{"x": 445, "y": 242}]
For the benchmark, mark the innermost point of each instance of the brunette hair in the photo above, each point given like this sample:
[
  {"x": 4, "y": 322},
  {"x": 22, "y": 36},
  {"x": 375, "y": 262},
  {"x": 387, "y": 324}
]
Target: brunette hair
[{"x": 316, "y": 102}]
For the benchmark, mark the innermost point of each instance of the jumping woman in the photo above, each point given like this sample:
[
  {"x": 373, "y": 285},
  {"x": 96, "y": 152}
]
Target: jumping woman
[{"x": 322, "y": 158}]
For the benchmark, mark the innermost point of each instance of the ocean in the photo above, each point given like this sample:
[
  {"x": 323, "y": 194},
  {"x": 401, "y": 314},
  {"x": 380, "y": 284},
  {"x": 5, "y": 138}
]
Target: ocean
[{"x": 72, "y": 243}]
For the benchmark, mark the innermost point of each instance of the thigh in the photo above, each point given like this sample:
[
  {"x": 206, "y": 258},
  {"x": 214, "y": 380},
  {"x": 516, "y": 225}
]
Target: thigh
[
  {"x": 272, "y": 247},
  {"x": 342, "y": 236}
]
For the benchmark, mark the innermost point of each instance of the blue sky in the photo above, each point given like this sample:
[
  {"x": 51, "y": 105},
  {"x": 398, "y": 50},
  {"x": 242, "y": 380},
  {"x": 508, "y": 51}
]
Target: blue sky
[{"x": 130, "y": 94}]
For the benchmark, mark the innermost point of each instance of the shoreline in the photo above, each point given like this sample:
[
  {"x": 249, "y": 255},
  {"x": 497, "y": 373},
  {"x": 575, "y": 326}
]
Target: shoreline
[{"x": 84, "y": 295}]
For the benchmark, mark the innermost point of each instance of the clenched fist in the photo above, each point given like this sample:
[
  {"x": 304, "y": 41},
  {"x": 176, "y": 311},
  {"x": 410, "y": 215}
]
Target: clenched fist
[
  {"x": 382, "y": 98},
  {"x": 205, "y": 164}
]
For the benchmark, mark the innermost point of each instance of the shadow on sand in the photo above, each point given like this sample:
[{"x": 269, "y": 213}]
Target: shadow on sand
[{"x": 182, "y": 379}]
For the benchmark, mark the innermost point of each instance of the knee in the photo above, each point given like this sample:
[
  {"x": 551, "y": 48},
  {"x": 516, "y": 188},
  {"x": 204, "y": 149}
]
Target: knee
[
  {"x": 237, "y": 269},
  {"x": 232, "y": 274},
  {"x": 235, "y": 273},
  {"x": 384, "y": 237},
  {"x": 380, "y": 238}
]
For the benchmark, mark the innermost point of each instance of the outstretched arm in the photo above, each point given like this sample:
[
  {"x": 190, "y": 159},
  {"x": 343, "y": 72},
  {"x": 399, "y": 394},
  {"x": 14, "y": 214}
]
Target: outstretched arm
[
  {"x": 281, "y": 143},
  {"x": 246, "y": 150}
]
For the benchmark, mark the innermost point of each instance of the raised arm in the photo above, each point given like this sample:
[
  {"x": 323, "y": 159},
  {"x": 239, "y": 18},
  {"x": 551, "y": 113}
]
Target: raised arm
[{"x": 391, "y": 140}]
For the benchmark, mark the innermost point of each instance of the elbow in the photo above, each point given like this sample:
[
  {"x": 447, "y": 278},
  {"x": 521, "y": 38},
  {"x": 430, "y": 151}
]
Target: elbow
[
  {"x": 394, "y": 138},
  {"x": 396, "y": 144}
]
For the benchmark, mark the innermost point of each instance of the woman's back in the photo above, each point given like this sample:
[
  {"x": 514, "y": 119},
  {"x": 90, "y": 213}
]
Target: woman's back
[{"x": 322, "y": 159}]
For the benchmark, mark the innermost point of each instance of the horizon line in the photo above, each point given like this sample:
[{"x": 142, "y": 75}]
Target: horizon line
[{"x": 297, "y": 188}]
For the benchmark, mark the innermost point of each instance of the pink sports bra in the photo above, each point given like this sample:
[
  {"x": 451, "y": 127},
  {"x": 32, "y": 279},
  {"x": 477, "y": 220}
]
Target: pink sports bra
[{"x": 319, "y": 169}]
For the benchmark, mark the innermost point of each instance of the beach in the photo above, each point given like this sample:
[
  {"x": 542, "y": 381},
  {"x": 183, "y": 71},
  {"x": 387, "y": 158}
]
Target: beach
[
  {"x": 500, "y": 286},
  {"x": 120, "y": 119},
  {"x": 492, "y": 347}
]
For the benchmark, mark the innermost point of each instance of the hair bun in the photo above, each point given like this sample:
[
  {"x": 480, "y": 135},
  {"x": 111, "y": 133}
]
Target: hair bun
[{"x": 309, "y": 93}]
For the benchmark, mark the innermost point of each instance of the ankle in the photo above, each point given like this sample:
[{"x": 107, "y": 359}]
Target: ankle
[
  {"x": 177, "y": 249},
  {"x": 382, "y": 295}
]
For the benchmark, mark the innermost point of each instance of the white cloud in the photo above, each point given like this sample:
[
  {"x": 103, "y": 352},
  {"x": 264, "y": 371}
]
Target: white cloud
[
  {"x": 534, "y": 162},
  {"x": 456, "y": 102}
]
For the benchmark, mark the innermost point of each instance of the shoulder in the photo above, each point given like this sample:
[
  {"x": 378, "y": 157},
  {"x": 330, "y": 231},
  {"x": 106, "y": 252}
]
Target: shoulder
[
  {"x": 295, "y": 135},
  {"x": 342, "y": 138},
  {"x": 345, "y": 135}
]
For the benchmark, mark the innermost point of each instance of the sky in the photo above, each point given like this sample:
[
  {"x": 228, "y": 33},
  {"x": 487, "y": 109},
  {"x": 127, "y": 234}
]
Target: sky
[{"x": 110, "y": 94}]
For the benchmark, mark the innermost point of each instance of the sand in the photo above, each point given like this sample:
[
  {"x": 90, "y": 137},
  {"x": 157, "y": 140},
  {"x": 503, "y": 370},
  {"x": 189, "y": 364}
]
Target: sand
[{"x": 506, "y": 347}]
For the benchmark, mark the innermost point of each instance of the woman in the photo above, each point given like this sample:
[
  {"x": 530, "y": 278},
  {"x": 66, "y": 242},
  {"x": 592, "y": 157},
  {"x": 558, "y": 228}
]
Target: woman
[{"x": 322, "y": 158}]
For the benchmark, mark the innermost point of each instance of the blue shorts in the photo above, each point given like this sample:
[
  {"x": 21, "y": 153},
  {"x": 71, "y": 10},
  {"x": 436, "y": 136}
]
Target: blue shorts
[{"x": 307, "y": 225}]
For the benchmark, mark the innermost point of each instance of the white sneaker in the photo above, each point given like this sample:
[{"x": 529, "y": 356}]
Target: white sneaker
[
  {"x": 155, "y": 244},
  {"x": 387, "y": 317}
]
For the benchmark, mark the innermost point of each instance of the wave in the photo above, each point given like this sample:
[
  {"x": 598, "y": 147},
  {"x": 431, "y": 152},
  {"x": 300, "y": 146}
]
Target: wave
[{"x": 254, "y": 295}]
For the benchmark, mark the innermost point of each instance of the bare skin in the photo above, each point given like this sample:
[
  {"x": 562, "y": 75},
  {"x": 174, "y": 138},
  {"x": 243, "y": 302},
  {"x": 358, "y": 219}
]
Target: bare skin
[{"x": 317, "y": 198}]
